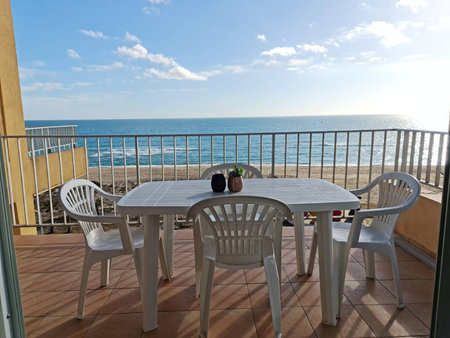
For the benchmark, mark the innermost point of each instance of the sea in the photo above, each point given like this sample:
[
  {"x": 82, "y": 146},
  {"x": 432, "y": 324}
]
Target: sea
[{"x": 123, "y": 150}]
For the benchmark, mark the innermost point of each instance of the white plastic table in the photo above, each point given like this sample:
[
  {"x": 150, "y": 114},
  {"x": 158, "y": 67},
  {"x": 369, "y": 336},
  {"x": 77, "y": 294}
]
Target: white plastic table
[{"x": 153, "y": 199}]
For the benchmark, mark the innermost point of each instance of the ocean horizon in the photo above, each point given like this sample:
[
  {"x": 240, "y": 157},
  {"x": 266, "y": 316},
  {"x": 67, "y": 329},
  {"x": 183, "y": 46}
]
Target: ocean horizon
[{"x": 123, "y": 150}]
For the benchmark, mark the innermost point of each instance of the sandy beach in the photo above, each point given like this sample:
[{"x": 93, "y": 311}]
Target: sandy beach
[{"x": 349, "y": 178}]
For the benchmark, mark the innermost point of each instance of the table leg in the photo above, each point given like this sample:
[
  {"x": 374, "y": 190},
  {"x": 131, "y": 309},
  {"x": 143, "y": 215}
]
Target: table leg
[
  {"x": 150, "y": 272},
  {"x": 326, "y": 269},
  {"x": 299, "y": 231},
  {"x": 168, "y": 241}
]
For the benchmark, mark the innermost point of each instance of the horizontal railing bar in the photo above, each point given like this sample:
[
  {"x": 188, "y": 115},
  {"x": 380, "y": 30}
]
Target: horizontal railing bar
[
  {"x": 232, "y": 134},
  {"x": 52, "y": 127}
]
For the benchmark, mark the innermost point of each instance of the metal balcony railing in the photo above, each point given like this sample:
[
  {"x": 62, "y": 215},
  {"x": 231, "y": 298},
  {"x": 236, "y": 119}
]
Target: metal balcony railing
[
  {"x": 38, "y": 145},
  {"x": 350, "y": 158}
]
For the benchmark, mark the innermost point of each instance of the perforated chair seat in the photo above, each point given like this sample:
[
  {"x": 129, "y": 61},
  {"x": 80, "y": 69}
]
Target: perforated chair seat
[
  {"x": 368, "y": 235},
  {"x": 110, "y": 240}
]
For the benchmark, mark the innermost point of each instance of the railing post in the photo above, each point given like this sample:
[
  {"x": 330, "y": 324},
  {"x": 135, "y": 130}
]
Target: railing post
[
  {"x": 413, "y": 151},
  {"x": 397, "y": 149},
  {"x": 437, "y": 178},
  {"x": 420, "y": 159},
  {"x": 138, "y": 169},
  {"x": 405, "y": 151},
  {"x": 429, "y": 158},
  {"x": 273, "y": 156},
  {"x": 150, "y": 158}
]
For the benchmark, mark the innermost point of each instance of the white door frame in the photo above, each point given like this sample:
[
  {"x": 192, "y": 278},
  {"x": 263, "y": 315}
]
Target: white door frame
[{"x": 11, "y": 315}]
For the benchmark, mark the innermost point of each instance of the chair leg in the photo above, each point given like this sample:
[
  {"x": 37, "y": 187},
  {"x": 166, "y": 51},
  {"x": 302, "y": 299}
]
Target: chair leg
[
  {"x": 84, "y": 279},
  {"x": 138, "y": 264},
  {"x": 369, "y": 262},
  {"x": 396, "y": 273},
  {"x": 205, "y": 295},
  {"x": 312, "y": 254},
  {"x": 198, "y": 247},
  {"x": 104, "y": 273},
  {"x": 273, "y": 284},
  {"x": 168, "y": 240}
]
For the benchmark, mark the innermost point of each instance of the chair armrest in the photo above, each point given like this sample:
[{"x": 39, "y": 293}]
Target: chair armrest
[
  {"x": 386, "y": 211},
  {"x": 362, "y": 190},
  {"x": 117, "y": 220},
  {"x": 115, "y": 198}
]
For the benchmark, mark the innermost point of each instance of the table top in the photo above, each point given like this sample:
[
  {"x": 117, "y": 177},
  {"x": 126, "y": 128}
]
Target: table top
[{"x": 176, "y": 197}]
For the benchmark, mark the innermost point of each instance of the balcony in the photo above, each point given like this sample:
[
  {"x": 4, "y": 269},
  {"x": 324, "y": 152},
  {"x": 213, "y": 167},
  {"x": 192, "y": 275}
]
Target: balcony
[
  {"x": 50, "y": 269},
  {"x": 50, "y": 265}
]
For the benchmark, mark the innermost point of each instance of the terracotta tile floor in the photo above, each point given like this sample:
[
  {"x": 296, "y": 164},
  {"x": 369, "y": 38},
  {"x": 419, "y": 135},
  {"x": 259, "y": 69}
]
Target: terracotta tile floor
[{"x": 50, "y": 267}]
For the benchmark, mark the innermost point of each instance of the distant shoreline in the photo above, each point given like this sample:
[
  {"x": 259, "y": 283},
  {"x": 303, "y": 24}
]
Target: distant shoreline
[
  {"x": 240, "y": 117},
  {"x": 353, "y": 180}
]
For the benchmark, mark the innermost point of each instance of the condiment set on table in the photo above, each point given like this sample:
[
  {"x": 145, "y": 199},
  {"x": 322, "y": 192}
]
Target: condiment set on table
[{"x": 235, "y": 182}]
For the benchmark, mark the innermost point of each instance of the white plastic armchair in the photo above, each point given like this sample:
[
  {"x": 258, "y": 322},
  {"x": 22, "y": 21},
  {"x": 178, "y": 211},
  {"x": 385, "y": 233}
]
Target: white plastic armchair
[
  {"x": 397, "y": 192},
  {"x": 78, "y": 200},
  {"x": 238, "y": 232},
  {"x": 225, "y": 168}
]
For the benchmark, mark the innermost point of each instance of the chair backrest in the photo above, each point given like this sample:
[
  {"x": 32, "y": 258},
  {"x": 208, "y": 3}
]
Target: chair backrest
[
  {"x": 225, "y": 168},
  {"x": 78, "y": 198},
  {"x": 239, "y": 225},
  {"x": 395, "y": 189}
]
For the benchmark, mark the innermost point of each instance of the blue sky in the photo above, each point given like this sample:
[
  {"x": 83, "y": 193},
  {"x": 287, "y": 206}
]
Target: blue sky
[{"x": 172, "y": 58}]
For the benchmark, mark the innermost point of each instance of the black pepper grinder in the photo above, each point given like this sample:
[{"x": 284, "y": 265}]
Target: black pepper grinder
[{"x": 218, "y": 182}]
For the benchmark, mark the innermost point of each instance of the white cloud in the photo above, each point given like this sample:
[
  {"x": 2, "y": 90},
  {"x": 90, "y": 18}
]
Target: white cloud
[
  {"x": 332, "y": 42},
  {"x": 140, "y": 52},
  {"x": 312, "y": 48},
  {"x": 390, "y": 35},
  {"x": 26, "y": 73},
  {"x": 151, "y": 10},
  {"x": 73, "y": 54},
  {"x": 417, "y": 56},
  {"x": 265, "y": 63},
  {"x": 131, "y": 37},
  {"x": 280, "y": 51},
  {"x": 317, "y": 67},
  {"x": 261, "y": 37},
  {"x": 99, "y": 68},
  {"x": 440, "y": 25},
  {"x": 82, "y": 84},
  {"x": 38, "y": 63},
  {"x": 235, "y": 69},
  {"x": 93, "y": 34},
  {"x": 43, "y": 86},
  {"x": 175, "y": 73},
  {"x": 366, "y": 6},
  {"x": 299, "y": 62},
  {"x": 375, "y": 59},
  {"x": 159, "y": 2},
  {"x": 412, "y": 4},
  {"x": 367, "y": 54},
  {"x": 105, "y": 68}
]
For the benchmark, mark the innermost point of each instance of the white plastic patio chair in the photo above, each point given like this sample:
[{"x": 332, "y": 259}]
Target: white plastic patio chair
[
  {"x": 248, "y": 237},
  {"x": 225, "y": 168},
  {"x": 78, "y": 200},
  {"x": 397, "y": 192}
]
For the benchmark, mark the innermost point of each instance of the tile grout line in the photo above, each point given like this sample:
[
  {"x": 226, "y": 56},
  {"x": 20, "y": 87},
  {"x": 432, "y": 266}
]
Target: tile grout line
[{"x": 303, "y": 309}]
